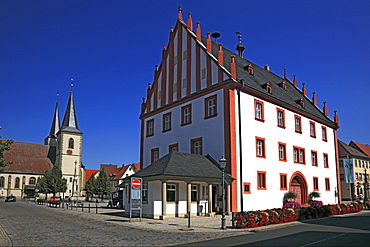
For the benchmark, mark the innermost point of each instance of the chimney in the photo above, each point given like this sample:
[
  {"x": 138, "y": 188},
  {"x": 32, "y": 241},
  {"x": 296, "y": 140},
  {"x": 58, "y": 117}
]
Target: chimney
[
  {"x": 325, "y": 109},
  {"x": 190, "y": 22},
  {"x": 267, "y": 67},
  {"x": 233, "y": 67},
  {"x": 314, "y": 98},
  {"x": 209, "y": 42},
  {"x": 171, "y": 32},
  {"x": 220, "y": 55},
  {"x": 336, "y": 118},
  {"x": 304, "y": 90},
  {"x": 295, "y": 81},
  {"x": 199, "y": 37},
  {"x": 285, "y": 74},
  {"x": 179, "y": 14}
]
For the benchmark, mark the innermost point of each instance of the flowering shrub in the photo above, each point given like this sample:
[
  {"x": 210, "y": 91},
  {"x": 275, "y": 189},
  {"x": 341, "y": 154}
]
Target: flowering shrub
[
  {"x": 315, "y": 203},
  {"x": 252, "y": 219},
  {"x": 291, "y": 205}
]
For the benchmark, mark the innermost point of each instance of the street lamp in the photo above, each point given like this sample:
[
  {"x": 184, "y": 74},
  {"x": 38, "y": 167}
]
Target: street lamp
[
  {"x": 222, "y": 163},
  {"x": 365, "y": 190}
]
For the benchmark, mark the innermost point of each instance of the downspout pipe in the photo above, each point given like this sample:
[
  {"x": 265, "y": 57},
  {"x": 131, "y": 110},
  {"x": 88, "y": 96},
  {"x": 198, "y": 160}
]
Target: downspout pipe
[{"x": 240, "y": 148}]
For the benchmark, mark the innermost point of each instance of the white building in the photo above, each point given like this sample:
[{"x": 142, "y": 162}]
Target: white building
[{"x": 206, "y": 99}]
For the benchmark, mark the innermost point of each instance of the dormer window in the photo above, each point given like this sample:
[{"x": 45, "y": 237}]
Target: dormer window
[
  {"x": 283, "y": 85},
  {"x": 301, "y": 102},
  {"x": 269, "y": 88},
  {"x": 249, "y": 68}
]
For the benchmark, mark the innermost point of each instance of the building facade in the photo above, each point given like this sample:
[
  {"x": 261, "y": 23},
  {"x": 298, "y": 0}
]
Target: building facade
[
  {"x": 354, "y": 154},
  {"x": 206, "y": 99}
]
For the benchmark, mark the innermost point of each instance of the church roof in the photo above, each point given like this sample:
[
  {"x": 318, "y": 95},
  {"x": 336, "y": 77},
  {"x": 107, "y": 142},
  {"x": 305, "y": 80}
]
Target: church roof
[
  {"x": 183, "y": 165},
  {"x": 55, "y": 126},
  {"x": 27, "y": 158},
  {"x": 70, "y": 120}
]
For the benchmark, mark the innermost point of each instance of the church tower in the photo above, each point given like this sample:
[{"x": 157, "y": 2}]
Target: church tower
[
  {"x": 69, "y": 150},
  {"x": 51, "y": 139}
]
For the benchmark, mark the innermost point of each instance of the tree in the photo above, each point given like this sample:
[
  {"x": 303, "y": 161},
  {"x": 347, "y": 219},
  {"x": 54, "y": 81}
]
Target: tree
[
  {"x": 52, "y": 181},
  {"x": 102, "y": 184},
  {"x": 4, "y": 146},
  {"x": 90, "y": 185}
]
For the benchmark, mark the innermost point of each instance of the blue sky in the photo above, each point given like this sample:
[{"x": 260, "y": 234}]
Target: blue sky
[{"x": 110, "y": 49}]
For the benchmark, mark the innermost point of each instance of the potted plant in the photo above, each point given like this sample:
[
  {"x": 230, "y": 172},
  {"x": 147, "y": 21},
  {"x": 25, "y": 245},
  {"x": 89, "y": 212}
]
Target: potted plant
[
  {"x": 289, "y": 196},
  {"x": 311, "y": 198}
]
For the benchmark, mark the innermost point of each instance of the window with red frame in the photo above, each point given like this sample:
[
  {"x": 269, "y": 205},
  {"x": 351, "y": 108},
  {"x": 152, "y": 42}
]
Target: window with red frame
[
  {"x": 314, "y": 158},
  {"x": 324, "y": 135},
  {"x": 260, "y": 147},
  {"x": 280, "y": 118},
  {"x": 261, "y": 180},
  {"x": 154, "y": 154},
  {"x": 327, "y": 184},
  {"x": 186, "y": 117},
  {"x": 299, "y": 155},
  {"x": 210, "y": 107},
  {"x": 167, "y": 122},
  {"x": 247, "y": 188},
  {"x": 312, "y": 129},
  {"x": 283, "y": 181},
  {"x": 173, "y": 148},
  {"x": 298, "y": 124},
  {"x": 196, "y": 146},
  {"x": 326, "y": 161},
  {"x": 258, "y": 110},
  {"x": 315, "y": 183},
  {"x": 282, "y": 151},
  {"x": 150, "y": 128}
]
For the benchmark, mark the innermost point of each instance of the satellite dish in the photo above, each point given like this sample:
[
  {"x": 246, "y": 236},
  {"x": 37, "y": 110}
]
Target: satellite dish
[{"x": 215, "y": 35}]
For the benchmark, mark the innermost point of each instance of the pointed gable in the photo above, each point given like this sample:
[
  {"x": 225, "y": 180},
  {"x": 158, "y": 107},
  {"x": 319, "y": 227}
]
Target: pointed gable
[
  {"x": 187, "y": 67},
  {"x": 361, "y": 147}
]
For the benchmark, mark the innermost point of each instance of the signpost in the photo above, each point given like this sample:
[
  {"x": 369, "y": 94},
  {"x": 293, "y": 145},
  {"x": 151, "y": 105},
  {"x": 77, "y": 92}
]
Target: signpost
[{"x": 135, "y": 199}]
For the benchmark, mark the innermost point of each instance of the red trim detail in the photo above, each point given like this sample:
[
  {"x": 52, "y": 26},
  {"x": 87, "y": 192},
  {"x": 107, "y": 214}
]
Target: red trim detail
[
  {"x": 183, "y": 115},
  {"x": 283, "y": 117},
  {"x": 315, "y": 183},
  {"x": 261, "y": 180},
  {"x": 247, "y": 190},
  {"x": 299, "y": 129},
  {"x": 283, "y": 181},
  {"x": 316, "y": 160},
  {"x": 233, "y": 67},
  {"x": 285, "y": 157},
  {"x": 326, "y": 160},
  {"x": 192, "y": 141},
  {"x": 299, "y": 149},
  {"x": 303, "y": 182},
  {"x": 262, "y": 118},
  {"x": 206, "y": 113},
  {"x": 313, "y": 135},
  {"x": 209, "y": 43},
  {"x": 327, "y": 184},
  {"x": 199, "y": 36},
  {"x": 262, "y": 141},
  {"x": 220, "y": 55}
]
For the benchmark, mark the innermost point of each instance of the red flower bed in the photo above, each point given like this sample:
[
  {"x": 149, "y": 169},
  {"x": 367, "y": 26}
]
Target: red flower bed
[{"x": 252, "y": 219}]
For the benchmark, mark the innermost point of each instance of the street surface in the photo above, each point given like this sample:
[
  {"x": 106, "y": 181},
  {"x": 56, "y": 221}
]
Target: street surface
[{"x": 27, "y": 224}]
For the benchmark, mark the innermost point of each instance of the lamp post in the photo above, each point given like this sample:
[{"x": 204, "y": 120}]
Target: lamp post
[
  {"x": 223, "y": 166},
  {"x": 365, "y": 190}
]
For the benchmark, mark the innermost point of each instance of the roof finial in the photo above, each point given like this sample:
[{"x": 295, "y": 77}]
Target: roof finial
[
  {"x": 240, "y": 47},
  {"x": 72, "y": 84},
  {"x": 179, "y": 14},
  {"x": 57, "y": 96}
]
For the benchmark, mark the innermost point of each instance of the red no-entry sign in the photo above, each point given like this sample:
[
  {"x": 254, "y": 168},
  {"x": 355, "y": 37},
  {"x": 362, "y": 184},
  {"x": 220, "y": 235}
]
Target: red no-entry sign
[{"x": 136, "y": 184}]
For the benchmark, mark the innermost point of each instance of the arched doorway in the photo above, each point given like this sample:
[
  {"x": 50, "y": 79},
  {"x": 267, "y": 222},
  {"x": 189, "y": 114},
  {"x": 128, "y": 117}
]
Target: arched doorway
[{"x": 298, "y": 185}]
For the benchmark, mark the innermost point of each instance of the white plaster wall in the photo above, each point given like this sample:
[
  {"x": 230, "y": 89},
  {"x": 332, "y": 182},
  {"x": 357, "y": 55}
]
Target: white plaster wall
[
  {"x": 272, "y": 196},
  {"x": 211, "y": 130}
]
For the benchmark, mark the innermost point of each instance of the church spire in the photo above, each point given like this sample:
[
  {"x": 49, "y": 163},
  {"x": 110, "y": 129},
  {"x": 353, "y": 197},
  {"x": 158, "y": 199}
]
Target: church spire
[
  {"x": 70, "y": 120},
  {"x": 55, "y": 126}
]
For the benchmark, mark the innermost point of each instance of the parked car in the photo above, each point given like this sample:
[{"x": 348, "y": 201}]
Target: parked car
[{"x": 10, "y": 199}]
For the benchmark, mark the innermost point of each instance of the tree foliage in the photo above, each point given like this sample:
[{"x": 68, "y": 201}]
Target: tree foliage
[
  {"x": 100, "y": 185},
  {"x": 4, "y": 146},
  {"x": 52, "y": 181}
]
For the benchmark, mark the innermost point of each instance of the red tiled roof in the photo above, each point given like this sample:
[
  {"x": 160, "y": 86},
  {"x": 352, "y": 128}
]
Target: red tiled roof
[
  {"x": 108, "y": 168},
  {"x": 364, "y": 148},
  {"x": 137, "y": 166},
  {"x": 28, "y": 158},
  {"x": 89, "y": 173}
]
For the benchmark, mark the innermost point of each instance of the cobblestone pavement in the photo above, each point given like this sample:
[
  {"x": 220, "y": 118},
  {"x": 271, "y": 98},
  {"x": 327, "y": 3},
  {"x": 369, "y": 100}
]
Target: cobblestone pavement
[{"x": 27, "y": 224}]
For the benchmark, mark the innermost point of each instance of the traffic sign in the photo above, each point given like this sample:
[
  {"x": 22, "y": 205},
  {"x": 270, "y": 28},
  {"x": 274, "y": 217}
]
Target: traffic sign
[{"x": 136, "y": 184}]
